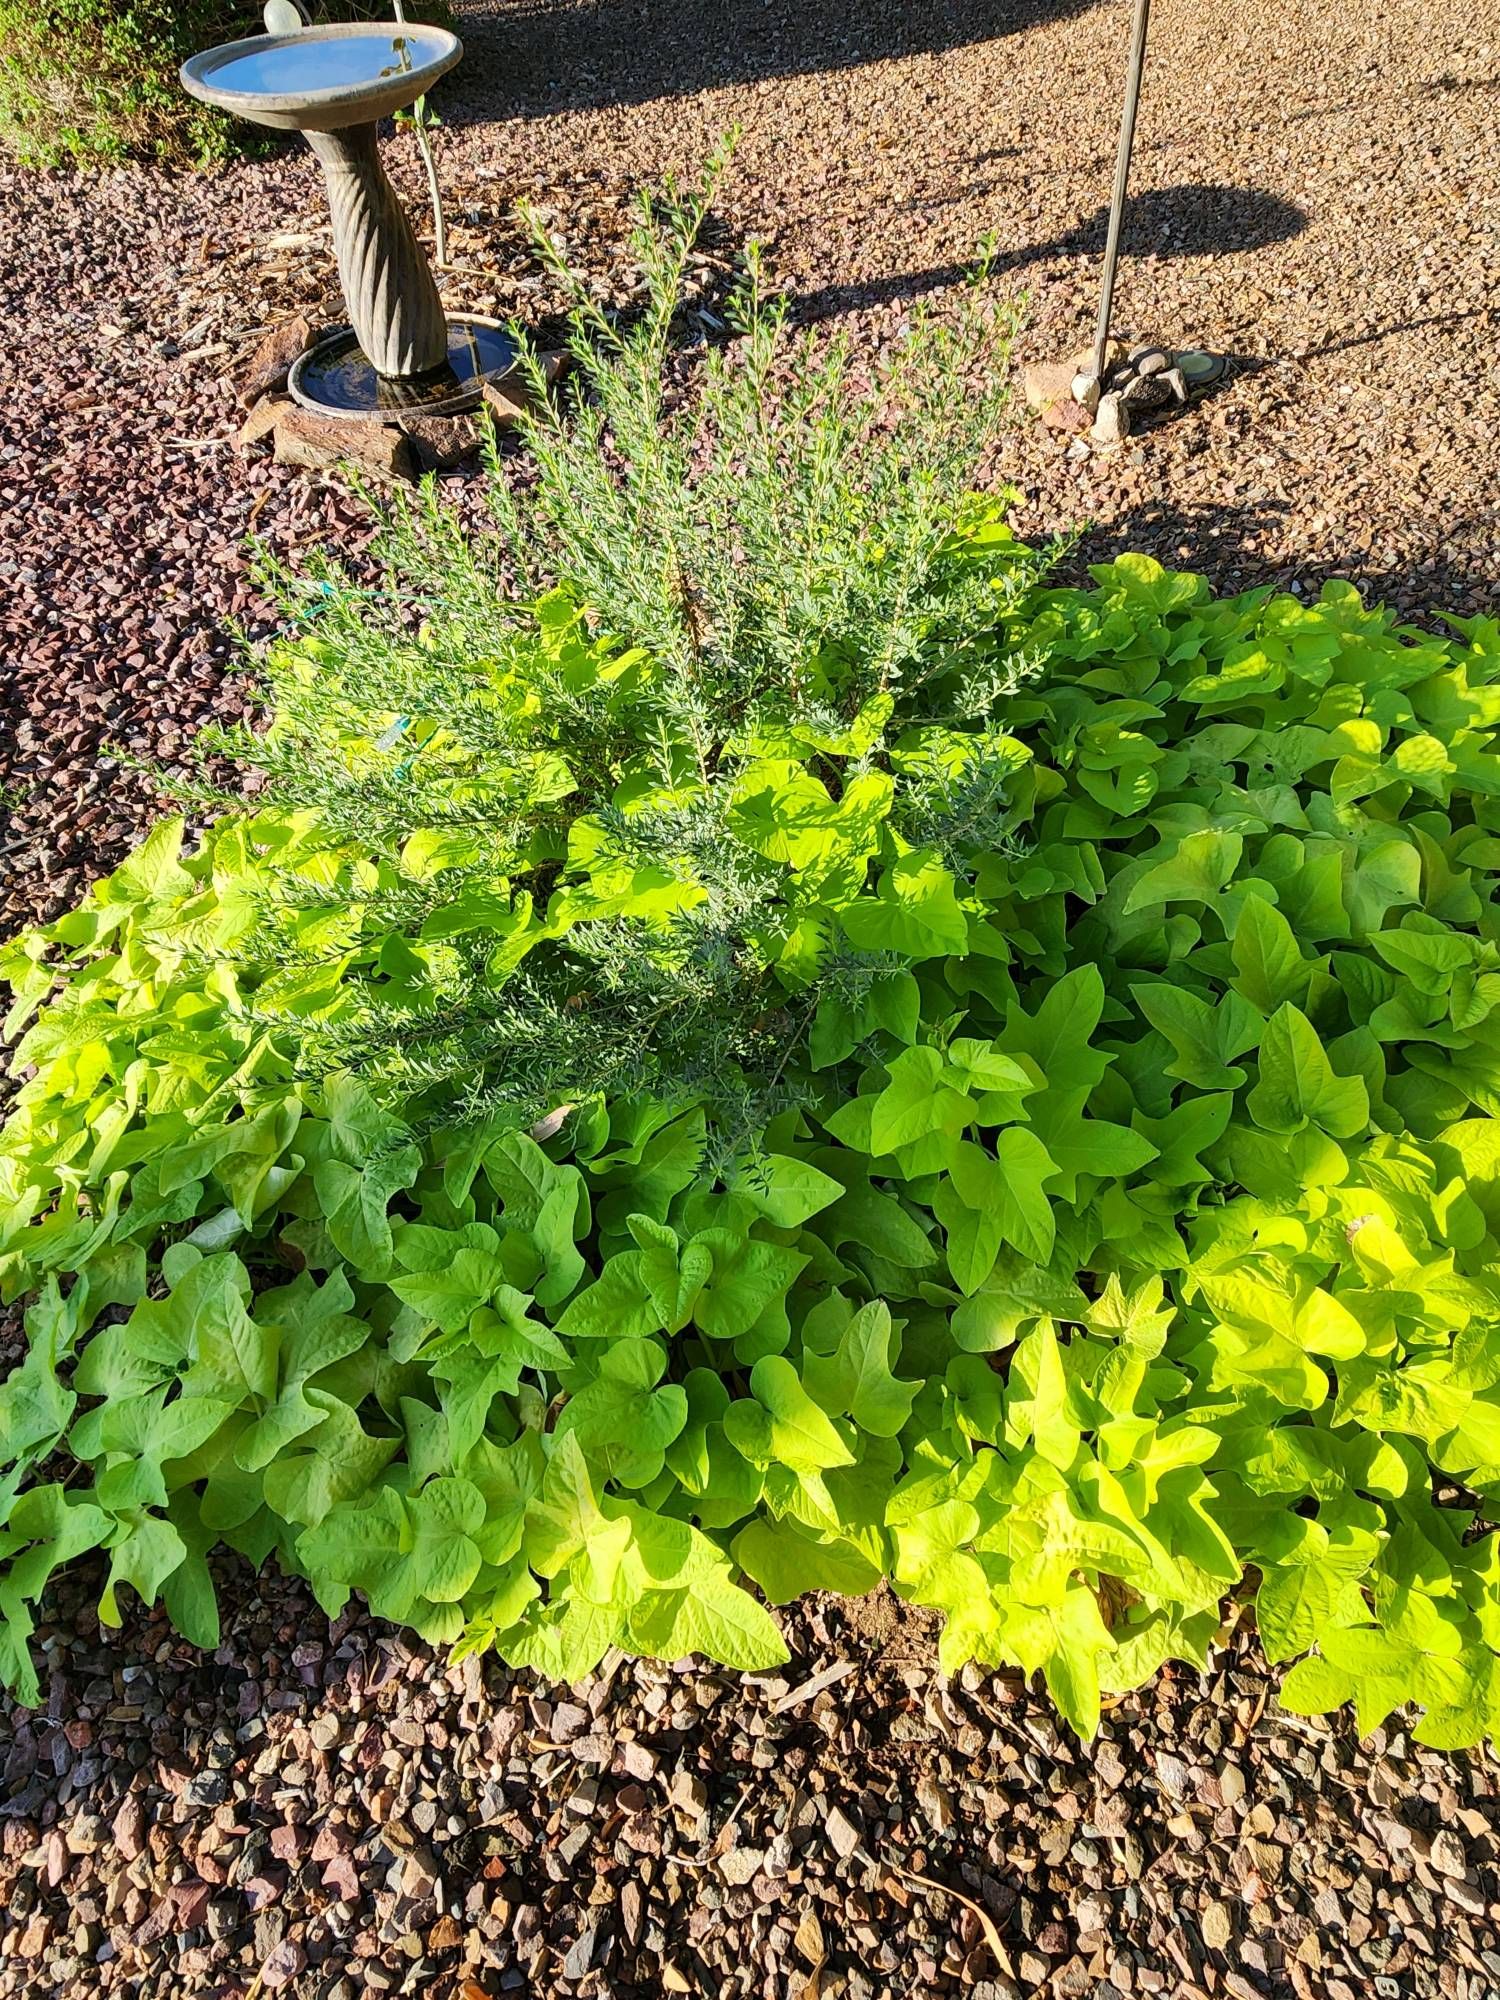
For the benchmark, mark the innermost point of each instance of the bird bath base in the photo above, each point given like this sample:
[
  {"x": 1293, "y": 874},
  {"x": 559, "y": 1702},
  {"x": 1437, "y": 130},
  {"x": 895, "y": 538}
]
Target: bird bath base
[{"x": 336, "y": 379}]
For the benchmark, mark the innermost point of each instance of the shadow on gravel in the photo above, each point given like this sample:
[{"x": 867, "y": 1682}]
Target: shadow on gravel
[
  {"x": 1438, "y": 86},
  {"x": 528, "y": 58},
  {"x": 1241, "y": 547},
  {"x": 1186, "y": 221},
  {"x": 1376, "y": 334}
]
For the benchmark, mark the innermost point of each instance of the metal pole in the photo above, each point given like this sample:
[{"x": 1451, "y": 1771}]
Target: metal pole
[{"x": 1122, "y": 180}]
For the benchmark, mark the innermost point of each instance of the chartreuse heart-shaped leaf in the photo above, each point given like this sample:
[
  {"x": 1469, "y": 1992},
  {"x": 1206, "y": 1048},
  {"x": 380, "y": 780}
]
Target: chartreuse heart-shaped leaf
[
  {"x": 914, "y": 911},
  {"x": 783, "y": 1425},
  {"x": 1298, "y": 1086},
  {"x": 623, "y": 1419},
  {"x": 788, "y": 1561},
  {"x": 857, "y": 1380}
]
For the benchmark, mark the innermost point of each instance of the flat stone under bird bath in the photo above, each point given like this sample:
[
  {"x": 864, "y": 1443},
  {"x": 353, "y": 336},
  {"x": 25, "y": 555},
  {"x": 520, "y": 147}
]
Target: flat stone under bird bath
[{"x": 334, "y": 84}]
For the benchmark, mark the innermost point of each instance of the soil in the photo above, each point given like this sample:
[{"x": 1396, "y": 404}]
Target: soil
[{"x": 330, "y": 1810}]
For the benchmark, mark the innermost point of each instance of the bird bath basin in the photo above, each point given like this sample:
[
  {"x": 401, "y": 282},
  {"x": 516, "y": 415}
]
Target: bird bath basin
[
  {"x": 333, "y": 84},
  {"x": 323, "y": 79}
]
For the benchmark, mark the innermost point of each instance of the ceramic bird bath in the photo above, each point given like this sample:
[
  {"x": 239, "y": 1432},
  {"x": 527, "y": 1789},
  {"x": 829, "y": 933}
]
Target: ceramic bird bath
[{"x": 333, "y": 84}]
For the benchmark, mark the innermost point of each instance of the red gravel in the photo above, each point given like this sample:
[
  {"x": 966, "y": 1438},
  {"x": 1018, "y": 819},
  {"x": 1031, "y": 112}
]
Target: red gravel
[
  {"x": 123, "y": 510},
  {"x": 336, "y": 1812}
]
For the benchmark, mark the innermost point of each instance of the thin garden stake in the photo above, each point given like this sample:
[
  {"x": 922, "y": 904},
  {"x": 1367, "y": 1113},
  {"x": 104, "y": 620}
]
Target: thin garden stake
[{"x": 1122, "y": 180}]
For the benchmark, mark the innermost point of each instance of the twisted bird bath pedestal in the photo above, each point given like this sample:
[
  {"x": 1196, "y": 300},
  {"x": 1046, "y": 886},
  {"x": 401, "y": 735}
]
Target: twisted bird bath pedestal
[{"x": 334, "y": 84}]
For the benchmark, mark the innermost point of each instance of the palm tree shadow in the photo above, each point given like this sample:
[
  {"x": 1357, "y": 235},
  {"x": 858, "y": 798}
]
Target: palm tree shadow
[
  {"x": 1187, "y": 221},
  {"x": 547, "y": 56}
]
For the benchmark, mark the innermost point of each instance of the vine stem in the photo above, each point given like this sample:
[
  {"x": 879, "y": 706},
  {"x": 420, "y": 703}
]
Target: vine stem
[{"x": 424, "y": 146}]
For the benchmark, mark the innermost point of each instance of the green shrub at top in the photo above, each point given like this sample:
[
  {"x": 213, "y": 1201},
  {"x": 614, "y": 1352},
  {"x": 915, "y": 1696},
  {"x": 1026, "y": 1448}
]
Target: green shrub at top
[
  {"x": 97, "y": 79},
  {"x": 614, "y": 770},
  {"x": 1111, "y": 1237}
]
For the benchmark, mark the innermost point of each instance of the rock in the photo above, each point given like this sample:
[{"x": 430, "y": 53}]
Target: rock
[
  {"x": 809, "y": 1939},
  {"x": 639, "y": 1761},
  {"x": 1447, "y": 1853},
  {"x": 129, "y": 1828},
  {"x": 741, "y": 1865},
  {"x": 328, "y": 1842},
  {"x": 1147, "y": 392},
  {"x": 1216, "y": 1927},
  {"x": 1112, "y": 424},
  {"x": 342, "y": 1877},
  {"x": 580, "y": 1955},
  {"x": 1176, "y": 381},
  {"x": 1149, "y": 360},
  {"x": 56, "y": 1858},
  {"x": 1086, "y": 390},
  {"x": 1468, "y": 1895},
  {"x": 192, "y": 1900},
  {"x": 511, "y": 396},
  {"x": 420, "y": 1873},
  {"x": 262, "y": 420},
  {"x": 1175, "y": 1778},
  {"x": 569, "y": 1719},
  {"x": 1048, "y": 387},
  {"x": 322, "y": 443},
  {"x": 223, "y": 1917},
  {"x": 1091, "y": 1913},
  {"x": 268, "y": 367},
  {"x": 282, "y": 1965},
  {"x": 936, "y": 1805},
  {"x": 843, "y": 1833},
  {"x": 688, "y": 1792},
  {"x": 324, "y": 1732}
]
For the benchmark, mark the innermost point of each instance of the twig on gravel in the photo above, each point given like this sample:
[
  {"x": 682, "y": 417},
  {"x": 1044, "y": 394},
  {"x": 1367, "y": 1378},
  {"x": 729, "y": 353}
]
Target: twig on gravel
[
  {"x": 987, "y": 1924},
  {"x": 814, "y": 1686}
]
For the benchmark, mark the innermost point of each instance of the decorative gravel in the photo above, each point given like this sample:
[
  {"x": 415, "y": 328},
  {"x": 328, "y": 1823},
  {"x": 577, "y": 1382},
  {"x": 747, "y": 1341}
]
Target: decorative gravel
[{"x": 334, "y": 1812}]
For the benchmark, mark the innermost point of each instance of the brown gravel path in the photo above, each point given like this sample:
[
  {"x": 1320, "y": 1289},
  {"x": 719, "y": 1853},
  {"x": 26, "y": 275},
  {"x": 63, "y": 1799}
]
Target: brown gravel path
[
  {"x": 332, "y": 1814},
  {"x": 1316, "y": 190},
  {"x": 335, "y": 1813}
]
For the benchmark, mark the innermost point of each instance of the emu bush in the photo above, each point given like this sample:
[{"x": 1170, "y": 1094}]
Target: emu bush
[{"x": 1015, "y": 1107}]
